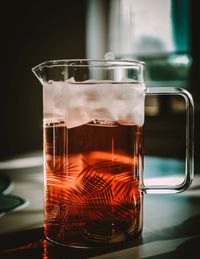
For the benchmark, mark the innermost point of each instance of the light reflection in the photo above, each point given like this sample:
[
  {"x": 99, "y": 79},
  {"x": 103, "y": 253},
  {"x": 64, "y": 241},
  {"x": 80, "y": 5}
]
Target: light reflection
[
  {"x": 178, "y": 60},
  {"x": 20, "y": 163},
  {"x": 170, "y": 180},
  {"x": 45, "y": 254}
]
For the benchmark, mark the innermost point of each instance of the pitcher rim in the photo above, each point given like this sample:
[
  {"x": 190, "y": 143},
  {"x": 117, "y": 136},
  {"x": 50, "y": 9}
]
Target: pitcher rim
[{"x": 100, "y": 63}]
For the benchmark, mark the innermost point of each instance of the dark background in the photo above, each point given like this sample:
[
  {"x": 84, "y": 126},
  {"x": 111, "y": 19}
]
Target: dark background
[
  {"x": 33, "y": 32},
  {"x": 36, "y": 31}
]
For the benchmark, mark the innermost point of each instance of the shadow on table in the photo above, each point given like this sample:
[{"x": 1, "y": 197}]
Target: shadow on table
[
  {"x": 31, "y": 244},
  {"x": 189, "y": 227},
  {"x": 189, "y": 249}
]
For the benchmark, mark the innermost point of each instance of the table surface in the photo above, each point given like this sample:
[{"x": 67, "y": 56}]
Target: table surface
[{"x": 171, "y": 221}]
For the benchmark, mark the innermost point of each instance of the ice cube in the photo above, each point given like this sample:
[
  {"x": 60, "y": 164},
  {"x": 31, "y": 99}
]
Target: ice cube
[
  {"x": 76, "y": 116},
  {"x": 80, "y": 103},
  {"x": 53, "y": 99},
  {"x": 70, "y": 80}
]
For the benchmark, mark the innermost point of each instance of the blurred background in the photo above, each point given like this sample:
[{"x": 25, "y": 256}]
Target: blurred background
[{"x": 164, "y": 34}]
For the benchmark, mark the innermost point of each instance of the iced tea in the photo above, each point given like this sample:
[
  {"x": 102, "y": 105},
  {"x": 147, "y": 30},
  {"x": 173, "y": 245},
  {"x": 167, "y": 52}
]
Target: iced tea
[{"x": 92, "y": 194}]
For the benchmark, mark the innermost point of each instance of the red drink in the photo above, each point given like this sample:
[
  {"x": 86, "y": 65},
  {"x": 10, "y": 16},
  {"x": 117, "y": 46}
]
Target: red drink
[{"x": 92, "y": 194}]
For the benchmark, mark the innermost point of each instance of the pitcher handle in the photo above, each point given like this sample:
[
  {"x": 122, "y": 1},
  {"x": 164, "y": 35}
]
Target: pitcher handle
[{"x": 189, "y": 156}]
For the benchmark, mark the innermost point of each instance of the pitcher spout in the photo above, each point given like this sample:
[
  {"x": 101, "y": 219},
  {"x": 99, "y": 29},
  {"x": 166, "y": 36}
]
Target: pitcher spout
[
  {"x": 38, "y": 72},
  {"x": 53, "y": 70}
]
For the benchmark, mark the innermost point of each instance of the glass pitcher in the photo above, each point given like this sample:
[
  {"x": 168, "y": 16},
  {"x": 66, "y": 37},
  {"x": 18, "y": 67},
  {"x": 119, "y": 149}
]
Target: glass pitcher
[{"x": 93, "y": 150}]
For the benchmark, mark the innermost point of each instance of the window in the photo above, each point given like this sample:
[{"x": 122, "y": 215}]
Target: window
[{"x": 156, "y": 31}]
